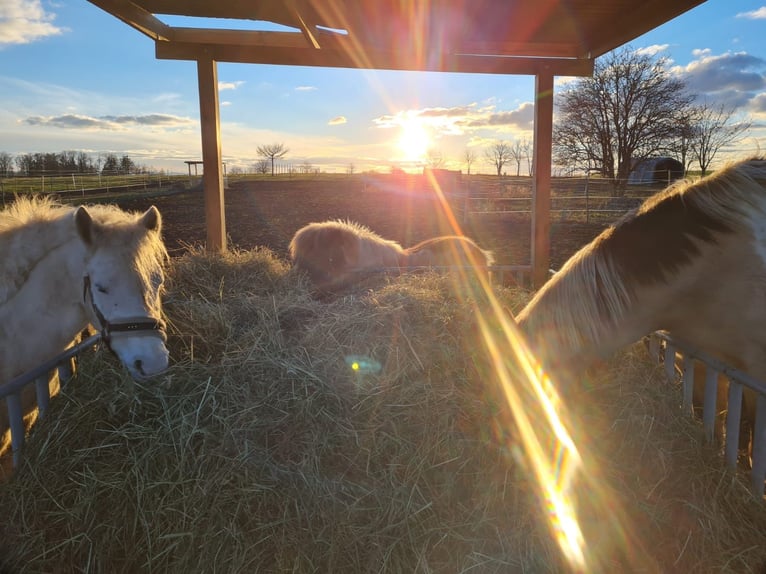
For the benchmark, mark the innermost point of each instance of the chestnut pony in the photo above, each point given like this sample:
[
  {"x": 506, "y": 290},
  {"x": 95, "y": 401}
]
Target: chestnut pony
[{"x": 336, "y": 254}]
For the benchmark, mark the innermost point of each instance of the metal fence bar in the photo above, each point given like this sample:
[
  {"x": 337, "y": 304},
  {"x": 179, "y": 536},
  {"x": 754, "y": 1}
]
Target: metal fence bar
[
  {"x": 737, "y": 381},
  {"x": 11, "y": 390},
  {"x": 710, "y": 407},
  {"x": 42, "y": 389},
  {"x": 758, "y": 471},
  {"x": 688, "y": 382},
  {"x": 16, "y": 424},
  {"x": 17, "y": 383},
  {"x": 733, "y": 418}
]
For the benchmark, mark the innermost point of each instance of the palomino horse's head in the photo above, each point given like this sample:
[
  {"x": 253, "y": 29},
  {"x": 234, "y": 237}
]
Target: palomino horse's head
[{"x": 122, "y": 284}]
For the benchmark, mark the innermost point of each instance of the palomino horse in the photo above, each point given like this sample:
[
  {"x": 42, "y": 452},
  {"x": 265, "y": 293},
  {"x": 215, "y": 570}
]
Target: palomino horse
[
  {"x": 62, "y": 269},
  {"x": 336, "y": 254},
  {"x": 691, "y": 260}
]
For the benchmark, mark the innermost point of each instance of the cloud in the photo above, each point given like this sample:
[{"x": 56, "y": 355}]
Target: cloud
[
  {"x": 77, "y": 121},
  {"x": 24, "y": 21},
  {"x": 459, "y": 120},
  {"x": 522, "y": 118},
  {"x": 229, "y": 85},
  {"x": 738, "y": 71},
  {"x": 337, "y": 120},
  {"x": 758, "y": 105},
  {"x": 652, "y": 50},
  {"x": 305, "y": 88},
  {"x": 759, "y": 14}
]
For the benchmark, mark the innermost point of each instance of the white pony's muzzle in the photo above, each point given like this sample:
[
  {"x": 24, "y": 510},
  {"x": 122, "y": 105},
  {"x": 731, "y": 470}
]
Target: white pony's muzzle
[{"x": 144, "y": 355}]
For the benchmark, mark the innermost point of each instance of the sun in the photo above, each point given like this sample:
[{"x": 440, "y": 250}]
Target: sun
[{"x": 414, "y": 141}]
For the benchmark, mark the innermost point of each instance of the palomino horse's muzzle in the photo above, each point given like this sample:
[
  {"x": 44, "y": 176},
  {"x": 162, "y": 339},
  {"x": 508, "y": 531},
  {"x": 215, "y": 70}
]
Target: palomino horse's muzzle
[{"x": 132, "y": 325}]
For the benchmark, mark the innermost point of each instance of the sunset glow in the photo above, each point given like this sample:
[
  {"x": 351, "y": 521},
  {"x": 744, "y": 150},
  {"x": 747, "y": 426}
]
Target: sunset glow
[{"x": 414, "y": 141}]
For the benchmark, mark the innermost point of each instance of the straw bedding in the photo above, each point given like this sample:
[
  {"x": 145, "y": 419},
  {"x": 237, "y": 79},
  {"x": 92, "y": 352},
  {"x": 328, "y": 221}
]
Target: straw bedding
[{"x": 360, "y": 434}]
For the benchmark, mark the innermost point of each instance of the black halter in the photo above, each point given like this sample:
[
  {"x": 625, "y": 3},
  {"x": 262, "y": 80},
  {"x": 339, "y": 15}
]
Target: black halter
[{"x": 150, "y": 325}]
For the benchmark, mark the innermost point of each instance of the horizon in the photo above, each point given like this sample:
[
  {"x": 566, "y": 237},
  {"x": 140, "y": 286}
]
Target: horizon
[{"x": 79, "y": 79}]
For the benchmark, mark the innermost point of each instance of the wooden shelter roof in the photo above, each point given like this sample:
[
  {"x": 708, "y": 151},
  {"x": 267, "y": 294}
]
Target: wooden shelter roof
[
  {"x": 543, "y": 38},
  {"x": 562, "y": 37}
]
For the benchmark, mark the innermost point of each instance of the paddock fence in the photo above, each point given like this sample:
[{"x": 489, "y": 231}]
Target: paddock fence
[{"x": 663, "y": 348}]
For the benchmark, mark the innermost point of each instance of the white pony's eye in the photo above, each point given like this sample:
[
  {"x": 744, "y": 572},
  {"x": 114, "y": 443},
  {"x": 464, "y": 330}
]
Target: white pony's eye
[{"x": 102, "y": 289}]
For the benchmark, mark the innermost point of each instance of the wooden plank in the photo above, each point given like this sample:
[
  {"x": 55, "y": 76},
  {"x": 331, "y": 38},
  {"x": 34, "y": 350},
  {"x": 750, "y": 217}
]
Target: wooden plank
[
  {"x": 541, "y": 180},
  {"x": 212, "y": 176}
]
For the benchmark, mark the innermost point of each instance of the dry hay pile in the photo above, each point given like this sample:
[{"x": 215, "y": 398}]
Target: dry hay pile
[{"x": 357, "y": 435}]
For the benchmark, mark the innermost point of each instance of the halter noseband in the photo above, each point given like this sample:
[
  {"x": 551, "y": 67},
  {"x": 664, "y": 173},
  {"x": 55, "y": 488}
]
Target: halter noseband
[{"x": 150, "y": 325}]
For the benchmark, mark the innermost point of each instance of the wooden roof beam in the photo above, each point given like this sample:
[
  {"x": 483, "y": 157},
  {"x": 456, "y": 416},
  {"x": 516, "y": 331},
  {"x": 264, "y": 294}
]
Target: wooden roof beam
[
  {"x": 372, "y": 59},
  {"x": 135, "y": 16}
]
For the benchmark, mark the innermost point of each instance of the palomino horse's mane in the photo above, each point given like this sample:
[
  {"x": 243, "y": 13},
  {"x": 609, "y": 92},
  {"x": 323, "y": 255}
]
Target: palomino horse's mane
[
  {"x": 32, "y": 227},
  {"x": 649, "y": 245}
]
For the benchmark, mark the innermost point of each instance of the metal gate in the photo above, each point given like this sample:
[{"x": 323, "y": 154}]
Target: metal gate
[{"x": 664, "y": 347}]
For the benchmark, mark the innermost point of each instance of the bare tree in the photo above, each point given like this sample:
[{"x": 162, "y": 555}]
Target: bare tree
[
  {"x": 713, "y": 130},
  {"x": 306, "y": 167},
  {"x": 526, "y": 150},
  {"x": 272, "y": 152},
  {"x": 517, "y": 155},
  {"x": 262, "y": 166},
  {"x": 350, "y": 168},
  {"x": 434, "y": 158},
  {"x": 6, "y": 164},
  {"x": 629, "y": 109},
  {"x": 498, "y": 155},
  {"x": 469, "y": 157}
]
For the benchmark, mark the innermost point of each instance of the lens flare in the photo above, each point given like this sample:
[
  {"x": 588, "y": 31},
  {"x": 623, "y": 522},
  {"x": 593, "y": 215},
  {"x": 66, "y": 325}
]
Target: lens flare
[{"x": 535, "y": 406}]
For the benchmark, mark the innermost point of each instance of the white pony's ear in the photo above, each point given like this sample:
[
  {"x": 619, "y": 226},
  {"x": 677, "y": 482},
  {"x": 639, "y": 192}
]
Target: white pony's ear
[
  {"x": 152, "y": 219},
  {"x": 84, "y": 223}
]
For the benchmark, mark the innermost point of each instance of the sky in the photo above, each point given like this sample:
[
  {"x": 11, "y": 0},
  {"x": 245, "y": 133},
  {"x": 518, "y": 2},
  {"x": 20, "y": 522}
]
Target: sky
[{"x": 73, "y": 77}]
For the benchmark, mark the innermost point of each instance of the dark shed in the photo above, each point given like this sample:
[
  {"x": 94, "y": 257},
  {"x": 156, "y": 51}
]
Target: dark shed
[{"x": 655, "y": 170}]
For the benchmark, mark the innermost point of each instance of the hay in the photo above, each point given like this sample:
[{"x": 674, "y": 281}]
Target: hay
[{"x": 362, "y": 434}]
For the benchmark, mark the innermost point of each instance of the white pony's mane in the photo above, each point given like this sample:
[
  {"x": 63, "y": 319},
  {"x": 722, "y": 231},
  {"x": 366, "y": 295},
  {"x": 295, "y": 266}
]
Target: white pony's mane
[
  {"x": 593, "y": 288},
  {"x": 32, "y": 227}
]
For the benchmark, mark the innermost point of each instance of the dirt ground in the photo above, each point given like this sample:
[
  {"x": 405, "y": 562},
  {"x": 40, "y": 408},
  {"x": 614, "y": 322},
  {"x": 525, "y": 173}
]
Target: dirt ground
[{"x": 268, "y": 213}]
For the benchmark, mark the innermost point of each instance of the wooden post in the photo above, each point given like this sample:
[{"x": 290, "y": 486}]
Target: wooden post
[
  {"x": 541, "y": 181},
  {"x": 212, "y": 179}
]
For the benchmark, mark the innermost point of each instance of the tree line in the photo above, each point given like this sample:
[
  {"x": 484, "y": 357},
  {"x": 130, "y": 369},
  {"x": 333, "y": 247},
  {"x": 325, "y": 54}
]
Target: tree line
[
  {"x": 631, "y": 109},
  {"x": 66, "y": 163}
]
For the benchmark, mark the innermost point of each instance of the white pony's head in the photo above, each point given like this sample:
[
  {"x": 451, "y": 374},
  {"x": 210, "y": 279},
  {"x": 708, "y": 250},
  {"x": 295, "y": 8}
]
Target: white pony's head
[{"x": 122, "y": 284}]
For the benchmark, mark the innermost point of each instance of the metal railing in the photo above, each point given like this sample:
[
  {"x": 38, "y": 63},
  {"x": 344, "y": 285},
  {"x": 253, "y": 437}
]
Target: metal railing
[
  {"x": 11, "y": 391},
  {"x": 738, "y": 380}
]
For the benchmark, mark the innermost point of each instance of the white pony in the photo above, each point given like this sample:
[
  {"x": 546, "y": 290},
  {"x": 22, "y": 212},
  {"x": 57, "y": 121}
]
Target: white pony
[{"x": 62, "y": 269}]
